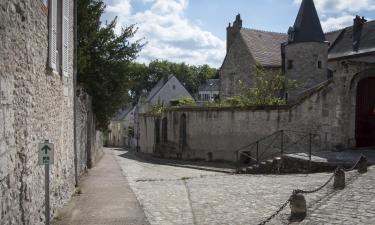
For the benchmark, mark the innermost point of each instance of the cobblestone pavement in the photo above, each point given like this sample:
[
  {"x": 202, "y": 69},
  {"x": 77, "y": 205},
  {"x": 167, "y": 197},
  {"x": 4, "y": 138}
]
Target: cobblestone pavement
[{"x": 174, "y": 195}]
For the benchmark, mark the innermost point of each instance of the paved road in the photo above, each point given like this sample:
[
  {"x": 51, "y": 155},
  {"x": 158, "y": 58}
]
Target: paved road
[
  {"x": 107, "y": 199},
  {"x": 175, "y": 195}
]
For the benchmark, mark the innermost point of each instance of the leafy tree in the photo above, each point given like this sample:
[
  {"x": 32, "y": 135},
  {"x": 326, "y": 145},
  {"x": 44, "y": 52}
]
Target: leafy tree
[
  {"x": 103, "y": 58},
  {"x": 267, "y": 91},
  {"x": 145, "y": 77}
]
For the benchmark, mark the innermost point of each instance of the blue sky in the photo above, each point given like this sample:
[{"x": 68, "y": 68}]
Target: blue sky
[{"x": 194, "y": 31}]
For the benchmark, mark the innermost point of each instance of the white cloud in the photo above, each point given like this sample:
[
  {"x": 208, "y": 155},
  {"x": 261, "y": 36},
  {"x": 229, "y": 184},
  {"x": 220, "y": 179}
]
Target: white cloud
[
  {"x": 324, "y": 6},
  {"x": 337, "y": 14},
  {"x": 337, "y": 23},
  {"x": 170, "y": 35}
]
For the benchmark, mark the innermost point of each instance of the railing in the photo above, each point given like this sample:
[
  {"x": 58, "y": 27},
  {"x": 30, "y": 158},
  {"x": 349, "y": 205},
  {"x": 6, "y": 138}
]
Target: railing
[{"x": 278, "y": 144}]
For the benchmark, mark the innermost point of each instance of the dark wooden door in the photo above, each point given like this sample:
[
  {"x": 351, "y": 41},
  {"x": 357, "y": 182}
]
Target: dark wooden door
[{"x": 365, "y": 113}]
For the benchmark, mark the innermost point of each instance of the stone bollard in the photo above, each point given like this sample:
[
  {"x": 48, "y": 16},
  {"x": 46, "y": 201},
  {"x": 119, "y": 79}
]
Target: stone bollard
[
  {"x": 339, "y": 181},
  {"x": 362, "y": 165},
  {"x": 297, "y": 207}
]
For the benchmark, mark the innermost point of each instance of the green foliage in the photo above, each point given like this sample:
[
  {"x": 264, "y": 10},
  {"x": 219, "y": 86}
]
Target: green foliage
[
  {"x": 184, "y": 101},
  {"x": 103, "y": 58},
  {"x": 143, "y": 77},
  {"x": 157, "y": 110},
  {"x": 267, "y": 92}
]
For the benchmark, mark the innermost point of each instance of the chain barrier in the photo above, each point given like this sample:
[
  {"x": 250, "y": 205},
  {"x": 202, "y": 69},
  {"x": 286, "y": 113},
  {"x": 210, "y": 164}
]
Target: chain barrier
[
  {"x": 276, "y": 213},
  {"x": 355, "y": 165},
  {"x": 298, "y": 191}
]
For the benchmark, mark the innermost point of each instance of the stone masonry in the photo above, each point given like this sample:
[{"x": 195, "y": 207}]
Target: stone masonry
[{"x": 35, "y": 104}]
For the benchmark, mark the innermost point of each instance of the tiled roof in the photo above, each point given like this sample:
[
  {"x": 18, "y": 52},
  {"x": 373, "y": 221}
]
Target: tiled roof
[
  {"x": 210, "y": 85},
  {"x": 343, "y": 46},
  {"x": 264, "y": 46}
]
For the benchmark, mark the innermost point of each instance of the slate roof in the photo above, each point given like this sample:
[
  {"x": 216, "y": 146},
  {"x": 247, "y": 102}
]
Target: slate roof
[
  {"x": 264, "y": 46},
  {"x": 157, "y": 88},
  {"x": 307, "y": 27},
  {"x": 343, "y": 47},
  {"x": 332, "y": 36},
  {"x": 210, "y": 85}
]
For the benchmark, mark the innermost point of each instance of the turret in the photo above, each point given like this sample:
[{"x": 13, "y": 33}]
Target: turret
[{"x": 305, "y": 55}]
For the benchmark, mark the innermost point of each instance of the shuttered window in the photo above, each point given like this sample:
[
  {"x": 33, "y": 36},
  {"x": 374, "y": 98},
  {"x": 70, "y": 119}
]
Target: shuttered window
[
  {"x": 65, "y": 36},
  {"x": 53, "y": 35}
]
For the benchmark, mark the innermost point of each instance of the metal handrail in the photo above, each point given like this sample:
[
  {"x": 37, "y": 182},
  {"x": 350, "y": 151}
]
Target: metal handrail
[{"x": 285, "y": 144}]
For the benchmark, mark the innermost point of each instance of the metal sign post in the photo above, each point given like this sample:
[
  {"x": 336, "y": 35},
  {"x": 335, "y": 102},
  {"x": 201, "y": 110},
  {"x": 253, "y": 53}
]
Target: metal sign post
[{"x": 45, "y": 157}]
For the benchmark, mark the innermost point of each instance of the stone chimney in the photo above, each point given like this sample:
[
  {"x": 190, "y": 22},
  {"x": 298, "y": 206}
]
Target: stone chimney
[
  {"x": 232, "y": 31},
  {"x": 357, "y": 31}
]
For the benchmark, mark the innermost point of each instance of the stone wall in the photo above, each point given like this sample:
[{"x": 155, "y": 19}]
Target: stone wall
[
  {"x": 89, "y": 140},
  {"x": 327, "y": 110},
  {"x": 35, "y": 104}
]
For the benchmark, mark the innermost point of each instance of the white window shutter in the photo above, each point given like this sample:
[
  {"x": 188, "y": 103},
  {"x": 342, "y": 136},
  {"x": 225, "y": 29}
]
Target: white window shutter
[
  {"x": 65, "y": 37},
  {"x": 53, "y": 35}
]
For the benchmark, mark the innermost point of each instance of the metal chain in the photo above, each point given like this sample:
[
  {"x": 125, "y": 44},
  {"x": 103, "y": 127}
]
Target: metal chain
[
  {"x": 297, "y": 191},
  {"x": 355, "y": 165},
  {"x": 276, "y": 213}
]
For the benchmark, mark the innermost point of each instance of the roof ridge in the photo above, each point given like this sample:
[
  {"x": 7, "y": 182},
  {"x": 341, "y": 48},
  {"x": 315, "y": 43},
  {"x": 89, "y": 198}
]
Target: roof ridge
[{"x": 263, "y": 31}]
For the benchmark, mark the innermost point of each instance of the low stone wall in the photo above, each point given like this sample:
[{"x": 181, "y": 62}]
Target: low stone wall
[{"x": 216, "y": 133}]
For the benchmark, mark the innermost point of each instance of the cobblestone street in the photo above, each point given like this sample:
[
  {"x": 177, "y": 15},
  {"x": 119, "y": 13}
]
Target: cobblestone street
[{"x": 173, "y": 195}]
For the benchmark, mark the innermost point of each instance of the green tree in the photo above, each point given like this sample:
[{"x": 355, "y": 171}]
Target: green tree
[
  {"x": 145, "y": 77},
  {"x": 103, "y": 59},
  {"x": 267, "y": 91}
]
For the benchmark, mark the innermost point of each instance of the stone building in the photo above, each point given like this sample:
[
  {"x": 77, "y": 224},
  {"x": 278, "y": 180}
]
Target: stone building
[
  {"x": 37, "y": 103},
  {"x": 336, "y": 101},
  {"x": 122, "y": 128}
]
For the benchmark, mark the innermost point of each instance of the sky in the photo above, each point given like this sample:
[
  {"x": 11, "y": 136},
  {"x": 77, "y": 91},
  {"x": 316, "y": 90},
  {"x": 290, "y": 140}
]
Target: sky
[{"x": 194, "y": 31}]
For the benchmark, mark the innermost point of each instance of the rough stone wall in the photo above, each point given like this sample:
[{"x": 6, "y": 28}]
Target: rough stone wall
[
  {"x": 35, "y": 104},
  {"x": 328, "y": 111},
  {"x": 147, "y": 133},
  {"x": 305, "y": 71},
  {"x": 89, "y": 141},
  {"x": 239, "y": 64}
]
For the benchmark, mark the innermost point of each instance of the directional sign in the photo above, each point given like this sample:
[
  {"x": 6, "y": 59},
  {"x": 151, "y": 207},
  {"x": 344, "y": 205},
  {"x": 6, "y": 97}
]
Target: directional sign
[{"x": 45, "y": 152}]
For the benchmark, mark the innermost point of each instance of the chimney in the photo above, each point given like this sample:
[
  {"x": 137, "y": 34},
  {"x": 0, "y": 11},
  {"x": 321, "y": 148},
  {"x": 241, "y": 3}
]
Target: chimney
[
  {"x": 232, "y": 31},
  {"x": 357, "y": 31}
]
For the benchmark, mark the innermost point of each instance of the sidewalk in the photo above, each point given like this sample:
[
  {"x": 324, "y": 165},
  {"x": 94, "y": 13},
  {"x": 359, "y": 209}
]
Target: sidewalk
[{"x": 106, "y": 199}]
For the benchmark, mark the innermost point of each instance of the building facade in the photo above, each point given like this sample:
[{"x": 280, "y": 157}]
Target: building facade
[
  {"x": 36, "y": 104},
  {"x": 335, "y": 101}
]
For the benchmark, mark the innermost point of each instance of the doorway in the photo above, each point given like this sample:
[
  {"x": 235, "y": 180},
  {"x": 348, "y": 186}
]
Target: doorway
[
  {"x": 365, "y": 113},
  {"x": 183, "y": 141}
]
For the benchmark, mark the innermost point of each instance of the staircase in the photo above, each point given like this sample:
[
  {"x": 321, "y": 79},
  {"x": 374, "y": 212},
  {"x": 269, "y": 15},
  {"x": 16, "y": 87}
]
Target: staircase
[{"x": 273, "y": 154}]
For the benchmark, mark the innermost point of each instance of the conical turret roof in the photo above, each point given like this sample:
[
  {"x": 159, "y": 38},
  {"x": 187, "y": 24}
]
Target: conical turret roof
[{"x": 307, "y": 27}]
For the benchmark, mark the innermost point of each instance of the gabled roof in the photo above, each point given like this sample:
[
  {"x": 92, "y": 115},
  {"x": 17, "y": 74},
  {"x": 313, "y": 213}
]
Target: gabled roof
[
  {"x": 343, "y": 46},
  {"x": 210, "y": 85},
  {"x": 264, "y": 46},
  {"x": 157, "y": 87},
  {"x": 332, "y": 36},
  {"x": 307, "y": 27}
]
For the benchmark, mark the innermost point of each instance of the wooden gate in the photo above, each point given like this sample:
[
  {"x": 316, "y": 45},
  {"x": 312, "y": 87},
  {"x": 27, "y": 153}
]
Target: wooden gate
[{"x": 365, "y": 113}]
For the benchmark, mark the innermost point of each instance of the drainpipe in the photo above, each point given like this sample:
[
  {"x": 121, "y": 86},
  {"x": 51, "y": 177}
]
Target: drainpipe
[{"x": 75, "y": 92}]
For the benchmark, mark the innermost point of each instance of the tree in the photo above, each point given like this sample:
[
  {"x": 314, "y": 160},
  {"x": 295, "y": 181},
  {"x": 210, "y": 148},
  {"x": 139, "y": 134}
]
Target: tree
[
  {"x": 267, "y": 91},
  {"x": 103, "y": 59},
  {"x": 145, "y": 77}
]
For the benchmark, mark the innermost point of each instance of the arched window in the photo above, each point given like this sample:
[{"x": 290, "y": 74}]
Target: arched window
[
  {"x": 157, "y": 131},
  {"x": 183, "y": 141}
]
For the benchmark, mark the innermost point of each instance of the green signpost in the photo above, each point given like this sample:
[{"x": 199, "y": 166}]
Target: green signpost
[{"x": 45, "y": 157}]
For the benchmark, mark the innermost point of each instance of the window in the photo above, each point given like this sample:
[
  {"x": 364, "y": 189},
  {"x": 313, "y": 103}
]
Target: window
[
  {"x": 59, "y": 36},
  {"x": 319, "y": 64},
  {"x": 290, "y": 64}
]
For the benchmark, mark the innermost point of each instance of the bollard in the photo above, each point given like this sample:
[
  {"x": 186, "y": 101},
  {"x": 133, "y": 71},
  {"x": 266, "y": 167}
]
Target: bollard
[
  {"x": 362, "y": 165},
  {"x": 297, "y": 207},
  {"x": 339, "y": 181}
]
